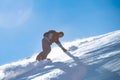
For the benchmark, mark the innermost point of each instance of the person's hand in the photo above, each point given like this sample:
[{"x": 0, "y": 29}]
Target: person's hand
[{"x": 64, "y": 49}]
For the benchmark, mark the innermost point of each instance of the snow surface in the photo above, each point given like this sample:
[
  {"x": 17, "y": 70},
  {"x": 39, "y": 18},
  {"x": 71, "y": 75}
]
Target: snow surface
[{"x": 93, "y": 58}]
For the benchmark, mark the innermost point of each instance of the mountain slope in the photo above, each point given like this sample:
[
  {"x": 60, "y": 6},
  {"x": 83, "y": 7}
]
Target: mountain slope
[{"x": 94, "y": 58}]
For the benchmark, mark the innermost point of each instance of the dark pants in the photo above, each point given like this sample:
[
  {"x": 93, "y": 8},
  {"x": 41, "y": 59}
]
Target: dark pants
[{"x": 46, "y": 50}]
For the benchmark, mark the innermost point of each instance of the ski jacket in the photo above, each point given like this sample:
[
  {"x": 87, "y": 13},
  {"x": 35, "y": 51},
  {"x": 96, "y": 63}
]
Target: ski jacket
[{"x": 52, "y": 36}]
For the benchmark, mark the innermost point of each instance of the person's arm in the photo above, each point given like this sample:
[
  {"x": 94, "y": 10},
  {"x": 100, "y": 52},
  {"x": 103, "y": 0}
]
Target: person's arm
[{"x": 60, "y": 45}]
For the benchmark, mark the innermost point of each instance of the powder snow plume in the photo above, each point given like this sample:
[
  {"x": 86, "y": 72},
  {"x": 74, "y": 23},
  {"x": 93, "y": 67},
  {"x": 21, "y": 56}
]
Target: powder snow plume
[{"x": 93, "y": 58}]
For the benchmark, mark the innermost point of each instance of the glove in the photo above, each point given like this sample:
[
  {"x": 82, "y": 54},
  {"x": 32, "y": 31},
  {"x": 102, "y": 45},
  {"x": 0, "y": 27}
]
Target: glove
[{"x": 64, "y": 49}]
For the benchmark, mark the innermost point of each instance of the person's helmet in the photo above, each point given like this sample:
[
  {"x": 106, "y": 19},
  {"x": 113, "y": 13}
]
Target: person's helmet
[{"x": 61, "y": 34}]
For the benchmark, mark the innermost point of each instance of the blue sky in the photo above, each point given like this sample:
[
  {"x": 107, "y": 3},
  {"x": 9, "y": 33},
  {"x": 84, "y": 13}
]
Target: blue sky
[{"x": 23, "y": 22}]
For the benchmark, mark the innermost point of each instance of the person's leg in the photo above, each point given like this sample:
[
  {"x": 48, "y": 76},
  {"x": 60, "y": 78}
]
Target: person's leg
[
  {"x": 46, "y": 49},
  {"x": 39, "y": 56}
]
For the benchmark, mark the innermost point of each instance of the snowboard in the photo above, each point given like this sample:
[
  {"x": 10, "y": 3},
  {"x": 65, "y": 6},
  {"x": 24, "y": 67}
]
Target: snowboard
[{"x": 47, "y": 59}]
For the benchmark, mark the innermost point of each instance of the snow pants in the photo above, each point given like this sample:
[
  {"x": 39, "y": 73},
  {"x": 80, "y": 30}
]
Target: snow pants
[{"x": 46, "y": 50}]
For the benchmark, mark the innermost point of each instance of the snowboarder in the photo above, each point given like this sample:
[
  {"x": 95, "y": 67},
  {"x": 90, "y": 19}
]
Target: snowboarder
[{"x": 48, "y": 38}]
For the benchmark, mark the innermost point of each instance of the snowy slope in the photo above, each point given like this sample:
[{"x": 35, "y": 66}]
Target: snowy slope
[{"x": 94, "y": 58}]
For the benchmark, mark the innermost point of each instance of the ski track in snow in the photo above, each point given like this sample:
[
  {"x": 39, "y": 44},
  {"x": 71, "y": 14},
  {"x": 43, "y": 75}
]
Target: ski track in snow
[{"x": 94, "y": 58}]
